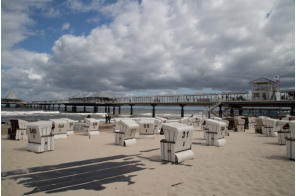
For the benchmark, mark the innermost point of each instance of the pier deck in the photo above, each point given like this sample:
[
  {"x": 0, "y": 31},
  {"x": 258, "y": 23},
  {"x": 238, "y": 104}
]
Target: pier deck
[{"x": 229, "y": 100}]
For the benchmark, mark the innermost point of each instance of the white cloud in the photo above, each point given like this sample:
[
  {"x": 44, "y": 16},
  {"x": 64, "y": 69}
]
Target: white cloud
[
  {"x": 80, "y": 6},
  {"x": 24, "y": 70},
  {"x": 15, "y": 29},
  {"x": 165, "y": 46},
  {"x": 65, "y": 26},
  {"x": 52, "y": 12},
  {"x": 94, "y": 20}
]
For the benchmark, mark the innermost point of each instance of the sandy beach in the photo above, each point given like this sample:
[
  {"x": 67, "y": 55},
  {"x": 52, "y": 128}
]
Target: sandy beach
[{"x": 249, "y": 164}]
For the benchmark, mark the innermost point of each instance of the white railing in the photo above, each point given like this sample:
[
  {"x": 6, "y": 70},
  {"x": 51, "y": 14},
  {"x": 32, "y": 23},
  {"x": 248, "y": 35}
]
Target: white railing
[
  {"x": 50, "y": 102},
  {"x": 238, "y": 96},
  {"x": 165, "y": 99}
]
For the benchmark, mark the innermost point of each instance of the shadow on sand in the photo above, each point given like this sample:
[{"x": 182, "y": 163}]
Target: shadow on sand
[
  {"x": 150, "y": 150},
  {"x": 155, "y": 158},
  {"x": 279, "y": 157},
  {"x": 88, "y": 174},
  {"x": 21, "y": 149},
  {"x": 273, "y": 143},
  {"x": 199, "y": 143}
]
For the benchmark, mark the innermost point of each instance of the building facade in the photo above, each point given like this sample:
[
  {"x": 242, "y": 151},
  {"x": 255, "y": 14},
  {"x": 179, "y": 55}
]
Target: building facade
[{"x": 265, "y": 89}]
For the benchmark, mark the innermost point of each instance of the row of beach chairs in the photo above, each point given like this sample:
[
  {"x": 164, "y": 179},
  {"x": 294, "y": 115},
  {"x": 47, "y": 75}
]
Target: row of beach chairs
[
  {"x": 283, "y": 129},
  {"x": 176, "y": 145}
]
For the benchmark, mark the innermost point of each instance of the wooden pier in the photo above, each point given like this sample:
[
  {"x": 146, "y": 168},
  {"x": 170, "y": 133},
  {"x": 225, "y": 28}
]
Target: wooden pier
[{"x": 224, "y": 102}]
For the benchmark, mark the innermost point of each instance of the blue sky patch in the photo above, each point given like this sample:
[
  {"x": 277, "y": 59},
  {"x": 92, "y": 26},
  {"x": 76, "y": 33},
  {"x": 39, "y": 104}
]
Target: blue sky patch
[{"x": 48, "y": 29}]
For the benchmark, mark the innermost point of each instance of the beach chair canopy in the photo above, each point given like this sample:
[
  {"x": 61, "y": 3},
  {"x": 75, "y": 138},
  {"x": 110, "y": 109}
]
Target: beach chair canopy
[
  {"x": 128, "y": 128},
  {"x": 215, "y": 125},
  {"x": 93, "y": 123},
  {"x": 38, "y": 129},
  {"x": 60, "y": 126},
  {"x": 180, "y": 134}
]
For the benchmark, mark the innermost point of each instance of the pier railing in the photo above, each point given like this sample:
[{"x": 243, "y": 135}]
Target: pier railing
[
  {"x": 210, "y": 98},
  {"x": 51, "y": 102},
  {"x": 206, "y": 98}
]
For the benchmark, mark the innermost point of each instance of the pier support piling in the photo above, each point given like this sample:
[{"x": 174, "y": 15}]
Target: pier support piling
[
  {"x": 74, "y": 108},
  {"x": 95, "y": 109},
  {"x": 84, "y": 109},
  {"x": 119, "y": 109},
  {"x": 108, "y": 109},
  {"x": 65, "y": 108},
  {"x": 220, "y": 111},
  {"x": 292, "y": 111},
  {"x": 182, "y": 110},
  {"x": 231, "y": 112},
  {"x": 113, "y": 110},
  {"x": 132, "y": 111},
  {"x": 240, "y": 111},
  {"x": 153, "y": 110}
]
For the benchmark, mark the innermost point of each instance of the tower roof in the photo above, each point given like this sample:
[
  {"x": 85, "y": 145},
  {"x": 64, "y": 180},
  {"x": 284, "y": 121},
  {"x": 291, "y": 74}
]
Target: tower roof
[
  {"x": 11, "y": 95},
  {"x": 262, "y": 80}
]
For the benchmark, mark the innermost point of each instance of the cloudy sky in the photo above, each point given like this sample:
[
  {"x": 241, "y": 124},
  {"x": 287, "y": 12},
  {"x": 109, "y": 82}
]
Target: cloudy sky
[{"x": 58, "y": 49}]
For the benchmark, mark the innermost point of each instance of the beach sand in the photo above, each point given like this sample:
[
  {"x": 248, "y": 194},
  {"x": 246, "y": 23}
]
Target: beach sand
[{"x": 249, "y": 164}]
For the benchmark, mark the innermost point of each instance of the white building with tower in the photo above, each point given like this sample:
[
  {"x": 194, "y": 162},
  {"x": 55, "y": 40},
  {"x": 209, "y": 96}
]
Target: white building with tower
[{"x": 265, "y": 89}]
